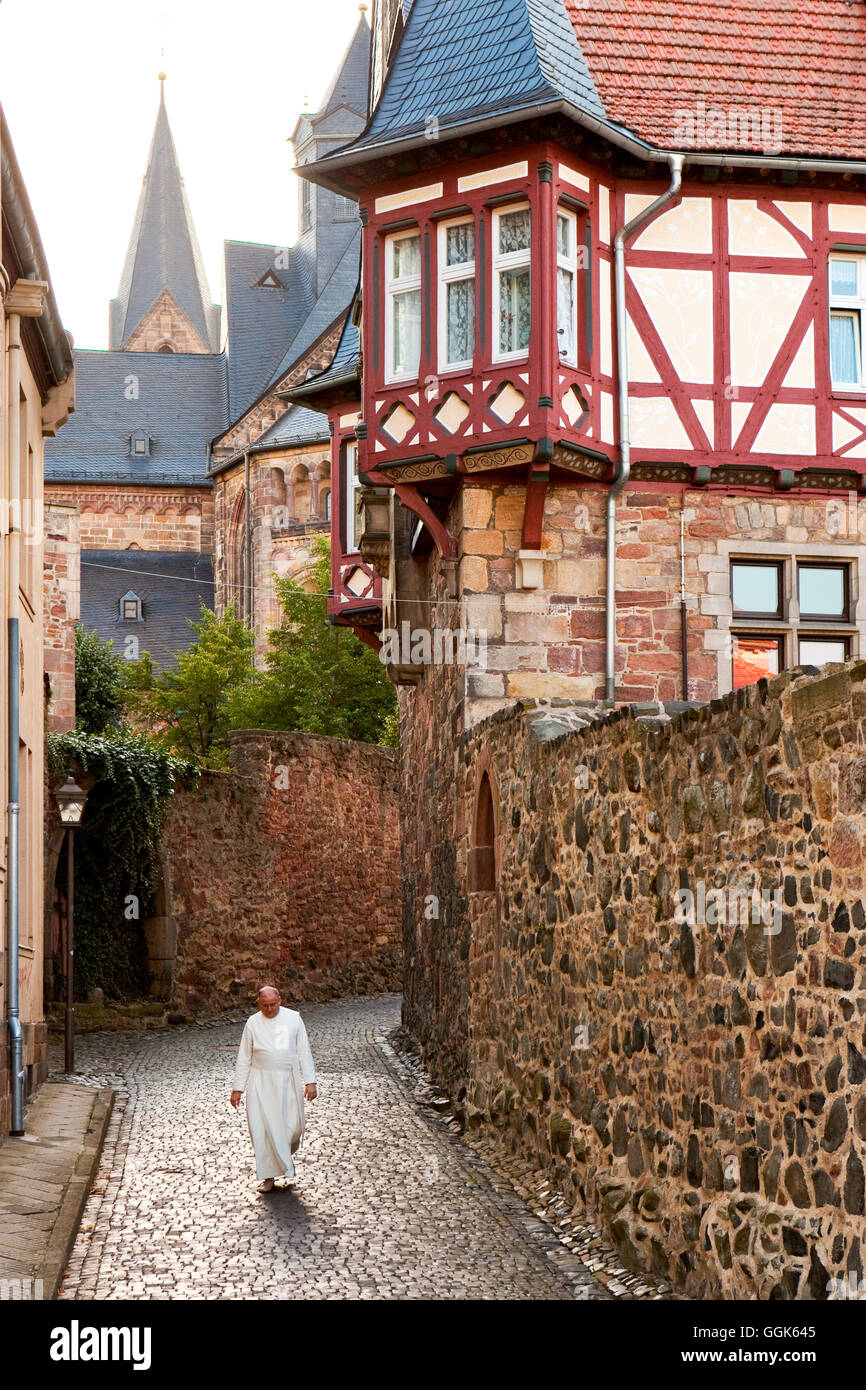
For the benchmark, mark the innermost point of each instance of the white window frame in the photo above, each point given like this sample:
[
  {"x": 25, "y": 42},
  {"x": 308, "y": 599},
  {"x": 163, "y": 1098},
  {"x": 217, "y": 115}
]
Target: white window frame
[
  {"x": 850, "y": 306},
  {"x": 568, "y": 263},
  {"x": 350, "y": 487},
  {"x": 449, "y": 274},
  {"x": 509, "y": 260},
  {"x": 394, "y": 287}
]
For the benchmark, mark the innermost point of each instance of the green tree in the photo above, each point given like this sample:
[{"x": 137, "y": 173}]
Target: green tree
[
  {"x": 99, "y": 679},
  {"x": 318, "y": 677},
  {"x": 189, "y": 708}
]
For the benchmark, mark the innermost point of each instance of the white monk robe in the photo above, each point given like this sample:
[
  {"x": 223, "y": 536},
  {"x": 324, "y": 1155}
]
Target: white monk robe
[{"x": 274, "y": 1064}]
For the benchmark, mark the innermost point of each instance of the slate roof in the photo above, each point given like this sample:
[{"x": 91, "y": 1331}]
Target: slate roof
[
  {"x": 789, "y": 78},
  {"x": 172, "y": 588},
  {"x": 460, "y": 62},
  {"x": 261, "y": 320},
  {"x": 179, "y": 399},
  {"x": 351, "y": 78},
  {"x": 333, "y": 300},
  {"x": 344, "y": 367},
  {"x": 163, "y": 251},
  {"x": 298, "y": 425}
]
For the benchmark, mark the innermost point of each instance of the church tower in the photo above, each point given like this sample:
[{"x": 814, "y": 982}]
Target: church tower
[{"x": 163, "y": 303}]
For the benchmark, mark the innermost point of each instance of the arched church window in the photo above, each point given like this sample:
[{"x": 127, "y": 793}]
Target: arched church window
[{"x": 166, "y": 347}]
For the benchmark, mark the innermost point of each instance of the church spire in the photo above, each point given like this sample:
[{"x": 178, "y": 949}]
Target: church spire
[{"x": 163, "y": 302}]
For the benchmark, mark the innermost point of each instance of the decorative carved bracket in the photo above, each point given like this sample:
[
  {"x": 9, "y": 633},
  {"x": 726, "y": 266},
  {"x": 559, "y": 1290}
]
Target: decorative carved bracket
[{"x": 445, "y": 543}]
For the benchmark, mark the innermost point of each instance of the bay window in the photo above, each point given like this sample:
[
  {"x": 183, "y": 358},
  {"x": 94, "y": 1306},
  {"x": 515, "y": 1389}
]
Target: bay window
[
  {"x": 512, "y": 245},
  {"x": 848, "y": 321},
  {"x": 353, "y": 511},
  {"x": 566, "y": 285},
  {"x": 456, "y": 294},
  {"x": 403, "y": 305}
]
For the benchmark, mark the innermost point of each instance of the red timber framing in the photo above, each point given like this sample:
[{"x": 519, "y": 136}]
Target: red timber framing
[
  {"x": 766, "y": 427},
  {"x": 356, "y": 600}
]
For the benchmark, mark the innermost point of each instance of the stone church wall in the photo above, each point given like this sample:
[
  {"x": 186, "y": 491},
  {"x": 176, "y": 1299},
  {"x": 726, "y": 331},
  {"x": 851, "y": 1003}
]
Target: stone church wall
[
  {"x": 282, "y": 870},
  {"x": 609, "y": 1008}
]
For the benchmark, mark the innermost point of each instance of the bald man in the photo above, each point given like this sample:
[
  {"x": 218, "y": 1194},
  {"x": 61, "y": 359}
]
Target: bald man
[{"x": 274, "y": 1064}]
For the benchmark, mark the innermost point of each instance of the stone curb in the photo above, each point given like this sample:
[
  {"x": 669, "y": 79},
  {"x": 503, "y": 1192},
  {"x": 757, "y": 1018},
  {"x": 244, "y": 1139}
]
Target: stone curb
[{"x": 65, "y": 1229}]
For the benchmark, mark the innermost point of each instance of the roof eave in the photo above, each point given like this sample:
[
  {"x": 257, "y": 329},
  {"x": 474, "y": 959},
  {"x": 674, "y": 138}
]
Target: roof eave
[{"x": 326, "y": 171}]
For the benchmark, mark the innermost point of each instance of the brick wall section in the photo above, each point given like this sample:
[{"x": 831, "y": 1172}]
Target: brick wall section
[
  {"x": 117, "y": 517},
  {"x": 286, "y": 869},
  {"x": 699, "y": 1087},
  {"x": 62, "y": 604}
]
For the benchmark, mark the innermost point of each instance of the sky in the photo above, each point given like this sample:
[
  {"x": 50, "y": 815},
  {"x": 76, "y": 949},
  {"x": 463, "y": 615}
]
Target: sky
[{"x": 79, "y": 87}]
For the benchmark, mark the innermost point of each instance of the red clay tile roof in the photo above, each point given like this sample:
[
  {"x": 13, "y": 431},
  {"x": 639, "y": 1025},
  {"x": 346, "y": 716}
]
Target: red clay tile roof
[{"x": 781, "y": 77}]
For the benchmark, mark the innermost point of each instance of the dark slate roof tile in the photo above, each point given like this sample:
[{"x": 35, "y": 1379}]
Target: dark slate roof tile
[
  {"x": 179, "y": 399},
  {"x": 172, "y": 588}
]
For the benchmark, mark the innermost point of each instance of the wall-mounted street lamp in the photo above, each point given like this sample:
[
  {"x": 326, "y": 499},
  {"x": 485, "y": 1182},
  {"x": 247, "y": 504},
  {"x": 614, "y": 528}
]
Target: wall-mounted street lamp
[{"x": 71, "y": 801}]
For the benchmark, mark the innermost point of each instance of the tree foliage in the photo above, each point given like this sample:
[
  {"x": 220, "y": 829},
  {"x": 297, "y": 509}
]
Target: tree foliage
[
  {"x": 99, "y": 679},
  {"x": 316, "y": 677}
]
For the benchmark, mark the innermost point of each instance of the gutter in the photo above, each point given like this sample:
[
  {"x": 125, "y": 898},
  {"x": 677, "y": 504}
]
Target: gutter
[
  {"x": 319, "y": 171},
  {"x": 18, "y": 213},
  {"x": 623, "y": 467}
]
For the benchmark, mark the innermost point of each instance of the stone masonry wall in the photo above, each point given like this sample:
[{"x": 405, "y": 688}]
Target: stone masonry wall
[
  {"x": 692, "y": 1076},
  {"x": 123, "y": 518},
  {"x": 283, "y": 870}
]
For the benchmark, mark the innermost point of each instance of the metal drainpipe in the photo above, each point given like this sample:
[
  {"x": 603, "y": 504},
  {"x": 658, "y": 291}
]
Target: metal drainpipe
[
  {"x": 13, "y": 675},
  {"x": 248, "y": 541},
  {"x": 624, "y": 463}
]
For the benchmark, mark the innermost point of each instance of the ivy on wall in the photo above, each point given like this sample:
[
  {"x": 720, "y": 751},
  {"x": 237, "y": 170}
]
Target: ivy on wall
[{"x": 116, "y": 851}]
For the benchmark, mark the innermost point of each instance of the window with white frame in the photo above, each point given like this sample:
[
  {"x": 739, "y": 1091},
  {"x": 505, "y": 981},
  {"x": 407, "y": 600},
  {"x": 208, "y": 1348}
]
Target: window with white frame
[
  {"x": 352, "y": 498},
  {"x": 512, "y": 315},
  {"x": 402, "y": 305},
  {"x": 848, "y": 320},
  {"x": 566, "y": 285},
  {"x": 456, "y": 293}
]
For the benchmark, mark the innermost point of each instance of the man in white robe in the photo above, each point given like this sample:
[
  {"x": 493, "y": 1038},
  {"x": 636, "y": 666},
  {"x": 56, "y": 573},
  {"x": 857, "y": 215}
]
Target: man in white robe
[{"x": 275, "y": 1068}]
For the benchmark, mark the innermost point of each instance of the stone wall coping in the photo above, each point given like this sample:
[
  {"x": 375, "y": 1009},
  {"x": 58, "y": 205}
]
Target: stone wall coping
[
  {"x": 557, "y": 718},
  {"x": 276, "y": 737}
]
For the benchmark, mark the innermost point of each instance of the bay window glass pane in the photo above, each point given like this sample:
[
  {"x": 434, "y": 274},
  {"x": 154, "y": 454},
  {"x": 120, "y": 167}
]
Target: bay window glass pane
[
  {"x": 460, "y": 313},
  {"x": 406, "y": 252},
  {"x": 819, "y": 651},
  {"x": 845, "y": 347},
  {"x": 843, "y": 277},
  {"x": 514, "y": 231},
  {"x": 822, "y": 591},
  {"x": 514, "y": 309},
  {"x": 755, "y": 588},
  {"x": 460, "y": 244},
  {"x": 754, "y": 657},
  {"x": 565, "y": 312},
  {"x": 407, "y": 332},
  {"x": 563, "y": 236}
]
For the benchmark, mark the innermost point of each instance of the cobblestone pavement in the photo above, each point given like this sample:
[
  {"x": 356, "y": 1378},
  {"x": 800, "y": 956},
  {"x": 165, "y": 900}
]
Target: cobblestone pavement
[{"x": 386, "y": 1206}]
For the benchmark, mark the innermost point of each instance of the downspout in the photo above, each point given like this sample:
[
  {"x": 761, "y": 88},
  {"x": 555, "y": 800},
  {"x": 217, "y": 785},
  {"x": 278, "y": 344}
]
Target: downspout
[
  {"x": 13, "y": 676},
  {"x": 624, "y": 462},
  {"x": 248, "y": 541}
]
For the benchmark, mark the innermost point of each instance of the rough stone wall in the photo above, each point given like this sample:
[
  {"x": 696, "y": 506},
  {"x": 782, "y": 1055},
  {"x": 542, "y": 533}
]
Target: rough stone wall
[
  {"x": 120, "y": 518},
  {"x": 284, "y": 869},
  {"x": 698, "y": 1085},
  {"x": 61, "y": 608}
]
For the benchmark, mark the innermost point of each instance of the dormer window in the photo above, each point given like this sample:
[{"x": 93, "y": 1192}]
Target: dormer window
[
  {"x": 403, "y": 305},
  {"x": 139, "y": 445},
  {"x": 130, "y": 608},
  {"x": 269, "y": 281},
  {"x": 512, "y": 246}
]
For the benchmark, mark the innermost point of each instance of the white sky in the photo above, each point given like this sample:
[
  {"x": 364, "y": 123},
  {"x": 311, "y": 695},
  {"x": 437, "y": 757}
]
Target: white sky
[{"x": 78, "y": 84}]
